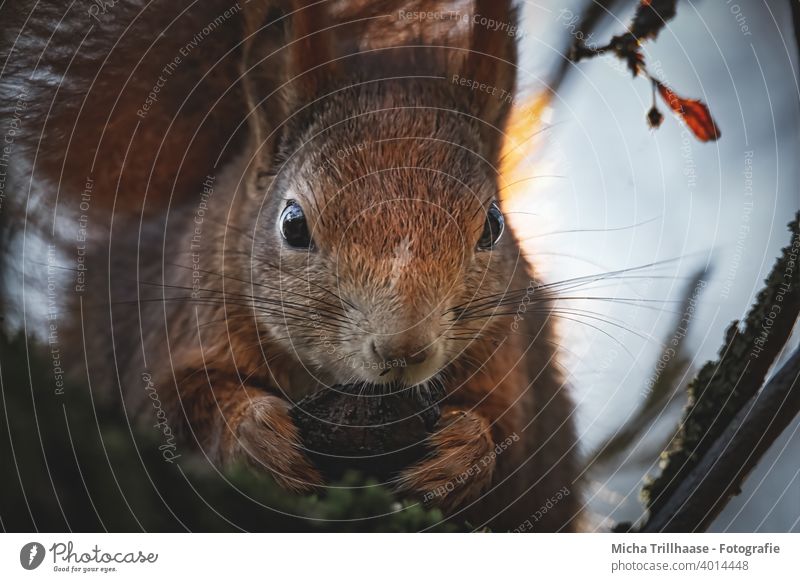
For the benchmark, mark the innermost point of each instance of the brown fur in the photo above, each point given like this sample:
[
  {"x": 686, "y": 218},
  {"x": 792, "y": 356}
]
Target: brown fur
[{"x": 394, "y": 221}]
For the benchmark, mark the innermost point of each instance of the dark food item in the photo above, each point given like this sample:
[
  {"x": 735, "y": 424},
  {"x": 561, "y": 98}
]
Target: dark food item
[{"x": 352, "y": 427}]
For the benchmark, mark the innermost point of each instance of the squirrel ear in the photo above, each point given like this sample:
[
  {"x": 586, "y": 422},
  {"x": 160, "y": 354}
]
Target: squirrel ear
[
  {"x": 492, "y": 60},
  {"x": 311, "y": 54},
  {"x": 288, "y": 60}
]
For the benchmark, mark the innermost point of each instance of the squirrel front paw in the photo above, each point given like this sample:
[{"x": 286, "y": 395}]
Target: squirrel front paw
[
  {"x": 265, "y": 436},
  {"x": 460, "y": 465}
]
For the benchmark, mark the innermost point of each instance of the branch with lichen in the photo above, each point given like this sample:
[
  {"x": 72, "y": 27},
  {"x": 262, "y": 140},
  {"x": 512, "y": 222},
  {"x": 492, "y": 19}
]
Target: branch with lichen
[{"x": 730, "y": 420}]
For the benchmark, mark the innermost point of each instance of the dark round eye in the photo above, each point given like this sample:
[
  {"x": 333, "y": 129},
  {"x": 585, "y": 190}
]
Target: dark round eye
[
  {"x": 294, "y": 227},
  {"x": 492, "y": 228}
]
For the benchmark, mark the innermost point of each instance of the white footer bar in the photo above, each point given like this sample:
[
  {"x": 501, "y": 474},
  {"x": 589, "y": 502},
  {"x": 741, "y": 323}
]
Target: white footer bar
[{"x": 402, "y": 557}]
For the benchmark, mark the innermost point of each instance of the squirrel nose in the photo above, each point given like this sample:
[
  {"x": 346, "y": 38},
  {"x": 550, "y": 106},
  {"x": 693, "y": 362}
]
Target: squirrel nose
[{"x": 408, "y": 353}]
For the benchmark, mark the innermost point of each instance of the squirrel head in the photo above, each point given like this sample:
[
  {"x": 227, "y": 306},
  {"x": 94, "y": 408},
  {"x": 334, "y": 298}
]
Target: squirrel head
[{"x": 378, "y": 206}]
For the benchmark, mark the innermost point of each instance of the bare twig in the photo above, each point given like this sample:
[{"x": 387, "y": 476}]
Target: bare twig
[
  {"x": 593, "y": 15},
  {"x": 795, "y": 4},
  {"x": 670, "y": 375},
  {"x": 649, "y": 20}
]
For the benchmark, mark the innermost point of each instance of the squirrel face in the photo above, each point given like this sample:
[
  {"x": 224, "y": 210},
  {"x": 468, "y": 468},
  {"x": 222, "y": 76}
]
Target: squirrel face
[{"x": 382, "y": 217}]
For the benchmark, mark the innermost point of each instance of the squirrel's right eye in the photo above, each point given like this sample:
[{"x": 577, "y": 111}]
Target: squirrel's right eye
[
  {"x": 492, "y": 228},
  {"x": 294, "y": 227}
]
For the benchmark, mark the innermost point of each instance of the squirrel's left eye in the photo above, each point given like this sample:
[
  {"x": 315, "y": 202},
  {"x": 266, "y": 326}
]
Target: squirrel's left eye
[
  {"x": 492, "y": 229},
  {"x": 294, "y": 227}
]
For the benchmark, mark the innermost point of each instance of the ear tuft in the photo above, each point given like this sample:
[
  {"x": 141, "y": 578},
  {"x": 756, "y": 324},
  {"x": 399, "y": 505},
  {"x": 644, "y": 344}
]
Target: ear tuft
[
  {"x": 311, "y": 52},
  {"x": 492, "y": 61},
  {"x": 288, "y": 60}
]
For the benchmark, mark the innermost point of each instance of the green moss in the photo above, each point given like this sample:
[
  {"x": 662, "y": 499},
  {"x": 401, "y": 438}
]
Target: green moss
[{"x": 74, "y": 471}]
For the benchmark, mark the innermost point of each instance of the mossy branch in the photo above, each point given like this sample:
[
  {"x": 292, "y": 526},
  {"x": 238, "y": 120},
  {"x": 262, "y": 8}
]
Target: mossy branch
[
  {"x": 727, "y": 412},
  {"x": 718, "y": 476},
  {"x": 72, "y": 462}
]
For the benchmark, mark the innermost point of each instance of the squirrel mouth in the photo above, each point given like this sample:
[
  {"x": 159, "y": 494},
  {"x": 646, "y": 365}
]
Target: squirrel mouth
[
  {"x": 431, "y": 388},
  {"x": 405, "y": 376},
  {"x": 409, "y": 378}
]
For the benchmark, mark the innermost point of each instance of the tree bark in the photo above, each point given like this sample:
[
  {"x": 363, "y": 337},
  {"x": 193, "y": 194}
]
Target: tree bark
[{"x": 705, "y": 491}]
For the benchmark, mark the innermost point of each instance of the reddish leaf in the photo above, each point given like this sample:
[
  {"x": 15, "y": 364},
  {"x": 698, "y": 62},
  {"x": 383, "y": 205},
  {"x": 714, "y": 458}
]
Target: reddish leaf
[{"x": 694, "y": 113}]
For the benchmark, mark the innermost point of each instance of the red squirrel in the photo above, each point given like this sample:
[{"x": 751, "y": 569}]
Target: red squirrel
[{"x": 278, "y": 196}]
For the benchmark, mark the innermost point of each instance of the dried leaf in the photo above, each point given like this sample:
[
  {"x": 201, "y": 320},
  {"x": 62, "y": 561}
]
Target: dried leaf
[
  {"x": 695, "y": 113},
  {"x": 651, "y": 17},
  {"x": 632, "y": 57},
  {"x": 654, "y": 117}
]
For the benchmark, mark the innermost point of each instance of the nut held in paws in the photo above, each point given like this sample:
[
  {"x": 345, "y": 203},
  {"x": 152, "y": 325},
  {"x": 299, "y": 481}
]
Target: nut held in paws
[{"x": 354, "y": 427}]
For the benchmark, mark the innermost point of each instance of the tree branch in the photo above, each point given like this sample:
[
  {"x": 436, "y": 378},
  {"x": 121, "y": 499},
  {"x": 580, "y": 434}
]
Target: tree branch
[
  {"x": 721, "y": 397},
  {"x": 664, "y": 389},
  {"x": 649, "y": 20},
  {"x": 718, "y": 477},
  {"x": 593, "y": 15}
]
